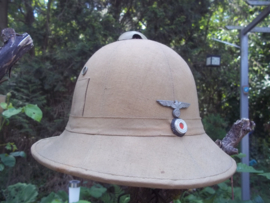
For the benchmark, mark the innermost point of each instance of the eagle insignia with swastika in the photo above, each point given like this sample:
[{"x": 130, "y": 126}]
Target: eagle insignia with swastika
[{"x": 178, "y": 126}]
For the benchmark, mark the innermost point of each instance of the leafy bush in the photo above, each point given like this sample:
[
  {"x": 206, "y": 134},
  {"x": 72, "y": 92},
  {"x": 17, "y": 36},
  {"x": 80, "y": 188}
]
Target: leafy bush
[
  {"x": 27, "y": 193},
  {"x": 215, "y": 126},
  {"x": 20, "y": 193}
]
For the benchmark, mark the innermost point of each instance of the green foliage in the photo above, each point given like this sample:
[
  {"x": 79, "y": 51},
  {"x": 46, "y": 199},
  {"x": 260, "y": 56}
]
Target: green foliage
[
  {"x": 20, "y": 192},
  {"x": 18, "y": 153},
  {"x": 60, "y": 196},
  {"x": 215, "y": 126},
  {"x": 105, "y": 195},
  {"x": 8, "y": 160},
  {"x": 95, "y": 191},
  {"x": 26, "y": 193},
  {"x": 267, "y": 175},
  {"x": 243, "y": 168},
  {"x": 32, "y": 111},
  {"x": 222, "y": 194},
  {"x": 11, "y": 146},
  {"x": 209, "y": 195},
  {"x": 11, "y": 112},
  {"x": 239, "y": 156}
]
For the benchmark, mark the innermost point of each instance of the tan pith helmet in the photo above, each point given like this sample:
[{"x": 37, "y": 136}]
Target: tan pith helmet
[{"x": 135, "y": 121}]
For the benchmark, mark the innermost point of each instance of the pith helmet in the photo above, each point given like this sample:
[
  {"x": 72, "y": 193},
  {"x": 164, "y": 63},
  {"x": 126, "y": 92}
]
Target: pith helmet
[{"x": 135, "y": 121}]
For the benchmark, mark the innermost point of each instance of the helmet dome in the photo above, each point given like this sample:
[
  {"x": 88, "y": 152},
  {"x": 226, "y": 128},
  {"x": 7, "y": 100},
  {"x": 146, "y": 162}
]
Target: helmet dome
[{"x": 119, "y": 133}]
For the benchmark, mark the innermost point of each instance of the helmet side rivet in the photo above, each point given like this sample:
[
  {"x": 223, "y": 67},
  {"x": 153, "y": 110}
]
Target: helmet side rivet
[{"x": 84, "y": 70}]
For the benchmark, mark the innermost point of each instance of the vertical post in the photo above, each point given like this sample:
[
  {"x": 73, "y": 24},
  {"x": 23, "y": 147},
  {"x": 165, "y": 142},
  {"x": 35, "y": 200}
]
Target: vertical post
[
  {"x": 244, "y": 113},
  {"x": 3, "y": 14},
  {"x": 245, "y": 182}
]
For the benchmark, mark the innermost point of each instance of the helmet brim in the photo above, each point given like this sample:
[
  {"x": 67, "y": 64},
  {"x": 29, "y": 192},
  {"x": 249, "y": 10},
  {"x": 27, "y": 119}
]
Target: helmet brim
[{"x": 195, "y": 161}]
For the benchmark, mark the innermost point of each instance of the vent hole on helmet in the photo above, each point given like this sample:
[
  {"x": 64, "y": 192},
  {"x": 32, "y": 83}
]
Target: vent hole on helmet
[
  {"x": 136, "y": 36},
  {"x": 131, "y": 35}
]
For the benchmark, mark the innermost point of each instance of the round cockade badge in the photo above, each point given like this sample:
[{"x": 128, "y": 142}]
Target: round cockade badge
[{"x": 179, "y": 127}]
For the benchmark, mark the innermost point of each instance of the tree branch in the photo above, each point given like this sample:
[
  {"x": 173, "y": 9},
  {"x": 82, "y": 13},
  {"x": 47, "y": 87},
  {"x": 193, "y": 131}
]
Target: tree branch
[
  {"x": 15, "y": 46},
  {"x": 239, "y": 129}
]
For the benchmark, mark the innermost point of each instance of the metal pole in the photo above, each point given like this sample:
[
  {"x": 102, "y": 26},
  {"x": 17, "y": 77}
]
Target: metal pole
[
  {"x": 244, "y": 110},
  {"x": 244, "y": 113},
  {"x": 255, "y": 29},
  {"x": 257, "y": 20},
  {"x": 258, "y": 3}
]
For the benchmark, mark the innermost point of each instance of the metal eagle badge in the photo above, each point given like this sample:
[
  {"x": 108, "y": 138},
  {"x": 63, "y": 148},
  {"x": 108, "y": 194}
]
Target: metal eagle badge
[{"x": 178, "y": 126}]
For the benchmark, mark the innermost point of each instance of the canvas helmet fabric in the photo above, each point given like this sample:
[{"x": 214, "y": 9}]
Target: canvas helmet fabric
[{"x": 117, "y": 131}]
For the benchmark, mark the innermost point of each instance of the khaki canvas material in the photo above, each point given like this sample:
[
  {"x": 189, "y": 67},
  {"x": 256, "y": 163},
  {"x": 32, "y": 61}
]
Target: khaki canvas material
[{"x": 117, "y": 132}]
